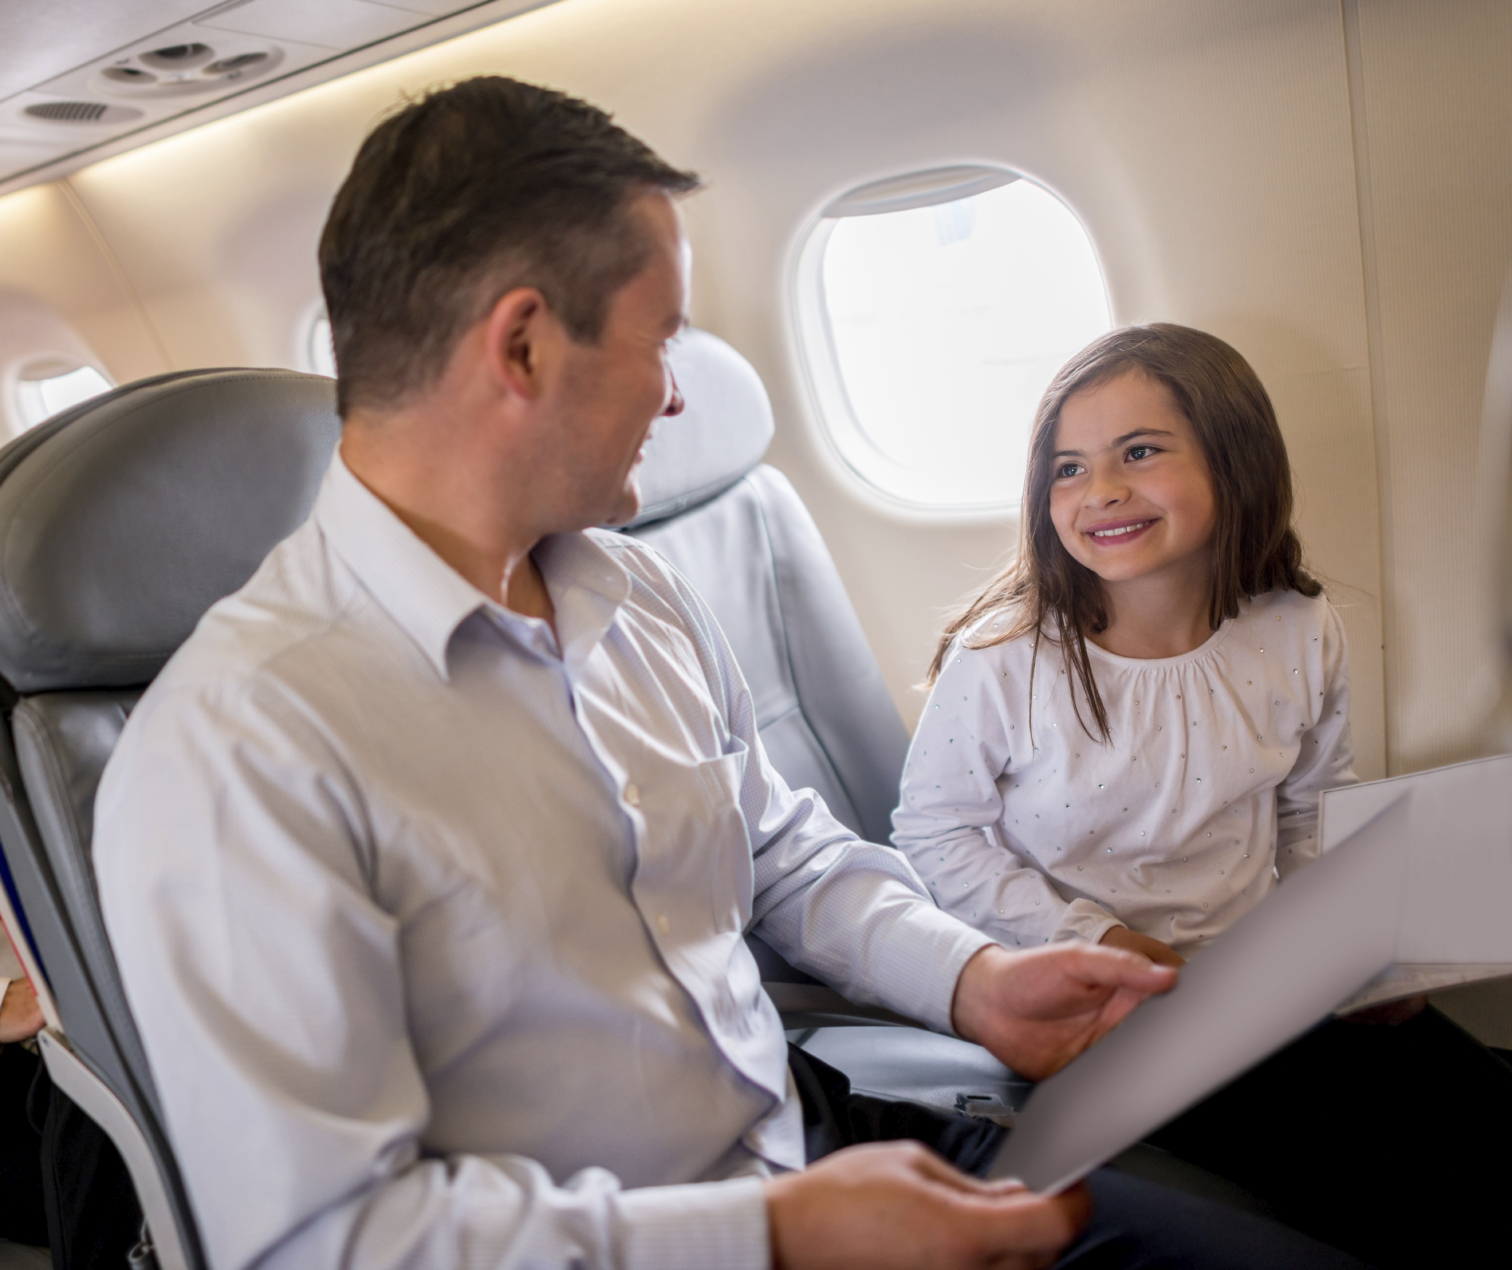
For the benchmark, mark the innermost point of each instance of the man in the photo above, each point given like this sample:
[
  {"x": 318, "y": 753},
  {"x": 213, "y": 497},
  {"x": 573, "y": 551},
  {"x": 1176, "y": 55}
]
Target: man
[{"x": 428, "y": 858}]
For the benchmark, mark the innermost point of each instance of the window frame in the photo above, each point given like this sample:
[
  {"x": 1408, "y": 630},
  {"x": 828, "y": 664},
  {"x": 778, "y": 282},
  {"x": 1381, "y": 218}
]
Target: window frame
[
  {"x": 832, "y": 414},
  {"x": 25, "y": 387}
]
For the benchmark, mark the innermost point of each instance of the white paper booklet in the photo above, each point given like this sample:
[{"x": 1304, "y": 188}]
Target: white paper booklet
[{"x": 1411, "y": 892}]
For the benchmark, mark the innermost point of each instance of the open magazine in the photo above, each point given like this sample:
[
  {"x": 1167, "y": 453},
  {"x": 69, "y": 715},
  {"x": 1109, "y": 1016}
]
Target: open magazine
[{"x": 1409, "y": 894}]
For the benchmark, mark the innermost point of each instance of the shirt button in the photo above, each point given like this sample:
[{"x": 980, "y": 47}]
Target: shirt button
[
  {"x": 632, "y": 795},
  {"x": 662, "y": 924}
]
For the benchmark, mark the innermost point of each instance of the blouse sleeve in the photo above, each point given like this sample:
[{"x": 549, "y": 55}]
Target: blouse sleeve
[
  {"x": 950, "y": 806},
  {"x": 1326, "y": 759}
]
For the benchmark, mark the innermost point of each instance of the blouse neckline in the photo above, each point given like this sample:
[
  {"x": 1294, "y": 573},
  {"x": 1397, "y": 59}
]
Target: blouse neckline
[{"x": 1209, "y": 645}]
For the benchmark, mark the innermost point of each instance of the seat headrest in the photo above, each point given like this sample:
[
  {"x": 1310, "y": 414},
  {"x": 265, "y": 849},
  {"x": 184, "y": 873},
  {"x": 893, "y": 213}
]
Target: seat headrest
[
  {"x": 123, "y": 519},
  {"x": 722, "y": 433}
]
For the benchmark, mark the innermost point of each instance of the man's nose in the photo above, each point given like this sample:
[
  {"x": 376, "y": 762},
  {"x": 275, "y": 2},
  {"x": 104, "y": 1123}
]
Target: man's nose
[{"x": 675, "y": 402}]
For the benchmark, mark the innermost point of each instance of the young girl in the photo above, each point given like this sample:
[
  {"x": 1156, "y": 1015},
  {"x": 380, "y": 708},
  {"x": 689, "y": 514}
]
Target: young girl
[{"x": 1126, "y": 741}]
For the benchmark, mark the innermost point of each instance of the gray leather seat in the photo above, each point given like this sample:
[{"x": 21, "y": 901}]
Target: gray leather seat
[{"x": 123, "y": 520}]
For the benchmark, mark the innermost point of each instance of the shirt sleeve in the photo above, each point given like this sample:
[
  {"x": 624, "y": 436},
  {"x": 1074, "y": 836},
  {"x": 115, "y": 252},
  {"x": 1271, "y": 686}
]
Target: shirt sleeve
[
  {"x": 1326, "y": 758},
  {"x": 849, "y": 912},
  {"x": 239, "y": 891},
  {"x": 948, "y": 816}
]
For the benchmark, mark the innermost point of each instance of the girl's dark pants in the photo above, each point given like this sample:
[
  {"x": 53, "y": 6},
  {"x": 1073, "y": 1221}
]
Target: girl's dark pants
[
  {"x": 1137, "y": 1225},
  {"x": 1391, "y": 1142}
]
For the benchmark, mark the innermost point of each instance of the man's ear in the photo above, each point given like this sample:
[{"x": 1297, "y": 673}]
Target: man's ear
[{"x": 518, "y": 340}]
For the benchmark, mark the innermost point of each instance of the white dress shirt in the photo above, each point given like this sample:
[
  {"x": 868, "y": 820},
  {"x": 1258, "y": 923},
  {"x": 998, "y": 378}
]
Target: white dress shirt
[
  {"x": 433, "y": 926},
  {"x": 1206, "y": 794}
]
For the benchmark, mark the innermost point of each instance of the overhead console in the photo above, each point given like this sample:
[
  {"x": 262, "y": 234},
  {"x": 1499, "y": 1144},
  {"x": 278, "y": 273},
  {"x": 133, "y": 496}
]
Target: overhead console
[{"x": 225, "y": 59}]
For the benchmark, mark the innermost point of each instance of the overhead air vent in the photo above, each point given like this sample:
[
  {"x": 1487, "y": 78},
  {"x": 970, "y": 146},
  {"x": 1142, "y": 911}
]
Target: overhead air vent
[
  {"x": 78, "y": 112},
  {"x": 185, "y": 70}
]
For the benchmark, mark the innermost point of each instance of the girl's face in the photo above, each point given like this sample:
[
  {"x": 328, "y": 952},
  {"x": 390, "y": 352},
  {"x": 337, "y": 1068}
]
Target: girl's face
[{"x": 1130, "y": 495}]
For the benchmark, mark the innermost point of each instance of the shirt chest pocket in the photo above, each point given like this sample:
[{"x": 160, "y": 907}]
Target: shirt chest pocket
[{"x": 694, "y": 850}]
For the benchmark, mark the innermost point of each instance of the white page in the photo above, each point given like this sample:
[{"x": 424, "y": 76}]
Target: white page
[{"x": 1325, "y": 933}]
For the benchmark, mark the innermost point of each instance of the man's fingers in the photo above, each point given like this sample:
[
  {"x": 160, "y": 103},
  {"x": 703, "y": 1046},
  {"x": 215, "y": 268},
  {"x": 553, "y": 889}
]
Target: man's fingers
[
  {"x": 1024, "y": 1223},
  {"x": 929, "y": 1165},
  {"x": 1117, "y": 968}
]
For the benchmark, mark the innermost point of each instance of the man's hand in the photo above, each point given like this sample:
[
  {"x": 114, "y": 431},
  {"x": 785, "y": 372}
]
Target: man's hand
[
  {"x": 1038, "y": 1010},
  {"x": 1146, "y": 945},
  {"x": 894, "y": 1205},
  {"x": 20, "y": 1015}
]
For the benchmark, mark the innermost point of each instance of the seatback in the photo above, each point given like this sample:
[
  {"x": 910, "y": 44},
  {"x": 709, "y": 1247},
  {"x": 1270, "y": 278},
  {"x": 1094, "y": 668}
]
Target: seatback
[
  {"x": 742, "y": 536},
  {"x": 121, "y": 521}
]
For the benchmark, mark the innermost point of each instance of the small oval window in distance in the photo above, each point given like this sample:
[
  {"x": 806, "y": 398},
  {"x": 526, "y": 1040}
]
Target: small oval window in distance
[
  {"x": 320, "y": 350},
  {"x": 48, "y": 389},
  {"x": 947, "y": 301}
]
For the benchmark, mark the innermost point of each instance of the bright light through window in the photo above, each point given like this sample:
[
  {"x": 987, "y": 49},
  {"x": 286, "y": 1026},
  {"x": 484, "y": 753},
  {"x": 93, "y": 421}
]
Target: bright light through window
[
  {"x": 946, "y": 323},
  {"x": 43, "y": 397}
]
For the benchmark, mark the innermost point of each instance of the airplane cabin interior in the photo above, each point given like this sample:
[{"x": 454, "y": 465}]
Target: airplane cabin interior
[{"x": 914, "y": 212}]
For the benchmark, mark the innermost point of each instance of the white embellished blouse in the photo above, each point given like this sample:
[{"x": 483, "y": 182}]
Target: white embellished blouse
[{"x": 1025, "y": 826}]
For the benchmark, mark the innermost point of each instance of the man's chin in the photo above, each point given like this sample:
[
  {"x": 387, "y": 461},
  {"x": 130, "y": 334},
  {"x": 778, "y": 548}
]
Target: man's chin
[{"x": 627, "y": 509}]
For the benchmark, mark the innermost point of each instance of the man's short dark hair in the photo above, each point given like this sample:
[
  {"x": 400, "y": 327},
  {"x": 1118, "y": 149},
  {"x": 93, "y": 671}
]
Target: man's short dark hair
[{"x": 462, "y": 196}]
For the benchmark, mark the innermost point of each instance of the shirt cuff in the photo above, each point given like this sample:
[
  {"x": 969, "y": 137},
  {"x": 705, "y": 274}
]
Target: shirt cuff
[
  {"x": 697, "y": 1226},
  {"x": 1085, "y": 920},
  {"x": 921, "y": 960}
]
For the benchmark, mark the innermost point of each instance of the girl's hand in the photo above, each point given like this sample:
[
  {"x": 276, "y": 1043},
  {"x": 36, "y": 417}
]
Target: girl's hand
[{"x": 1145, "y": 945}]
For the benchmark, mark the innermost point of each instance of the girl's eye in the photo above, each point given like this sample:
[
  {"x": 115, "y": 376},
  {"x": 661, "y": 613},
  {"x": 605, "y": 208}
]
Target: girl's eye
[
  {"x": 1137, "y": 452},
  {"x": 1067, "y": 469}
]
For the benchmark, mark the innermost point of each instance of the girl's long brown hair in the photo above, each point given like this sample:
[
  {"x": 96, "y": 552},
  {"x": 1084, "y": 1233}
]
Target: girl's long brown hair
[{"x": 1255, "y": 548}]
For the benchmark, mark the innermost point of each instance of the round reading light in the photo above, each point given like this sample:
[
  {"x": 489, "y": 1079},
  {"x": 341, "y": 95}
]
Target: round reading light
[
  {"x": 131, "y": 76},
  {"x": 177, "y": 57},
  {"x": 235, "y": 65}
]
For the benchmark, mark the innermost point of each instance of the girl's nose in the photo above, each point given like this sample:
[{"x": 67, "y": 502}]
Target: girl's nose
[
  {"x": 1106, "y": 489},
  {"x": 675, "y": 402}
]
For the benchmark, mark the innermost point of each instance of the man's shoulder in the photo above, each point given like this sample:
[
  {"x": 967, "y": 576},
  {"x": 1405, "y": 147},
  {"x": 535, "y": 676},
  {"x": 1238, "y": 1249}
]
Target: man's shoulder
[
  {"x": 651, "y": 573},
  {"x": 640, "y": 558}
]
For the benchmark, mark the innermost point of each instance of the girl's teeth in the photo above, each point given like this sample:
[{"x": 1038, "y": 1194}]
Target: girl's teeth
[{"x": 1115, "y": 533}]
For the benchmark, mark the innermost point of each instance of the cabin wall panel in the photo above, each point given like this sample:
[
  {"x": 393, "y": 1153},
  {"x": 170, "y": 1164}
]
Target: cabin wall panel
[
  {"x": 1438, "y": 108},
  {"x": 1240, "y": 217},
  {"x": 48, "y": 252}
]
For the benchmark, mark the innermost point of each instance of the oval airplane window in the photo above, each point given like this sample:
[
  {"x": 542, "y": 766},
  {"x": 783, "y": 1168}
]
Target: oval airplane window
[
  {"x": 48, "y": 389},
  {"x": 940, "y": 307}
]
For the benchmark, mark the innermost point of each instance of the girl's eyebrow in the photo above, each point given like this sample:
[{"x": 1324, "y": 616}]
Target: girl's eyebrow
[
  {"x": 1144, "y": 432},
  {"x": 1117, "y": 441}
]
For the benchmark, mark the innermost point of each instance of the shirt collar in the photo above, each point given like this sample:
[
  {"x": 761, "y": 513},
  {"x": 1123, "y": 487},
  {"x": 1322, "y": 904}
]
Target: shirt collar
[{"x": 429, "y": 600}]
